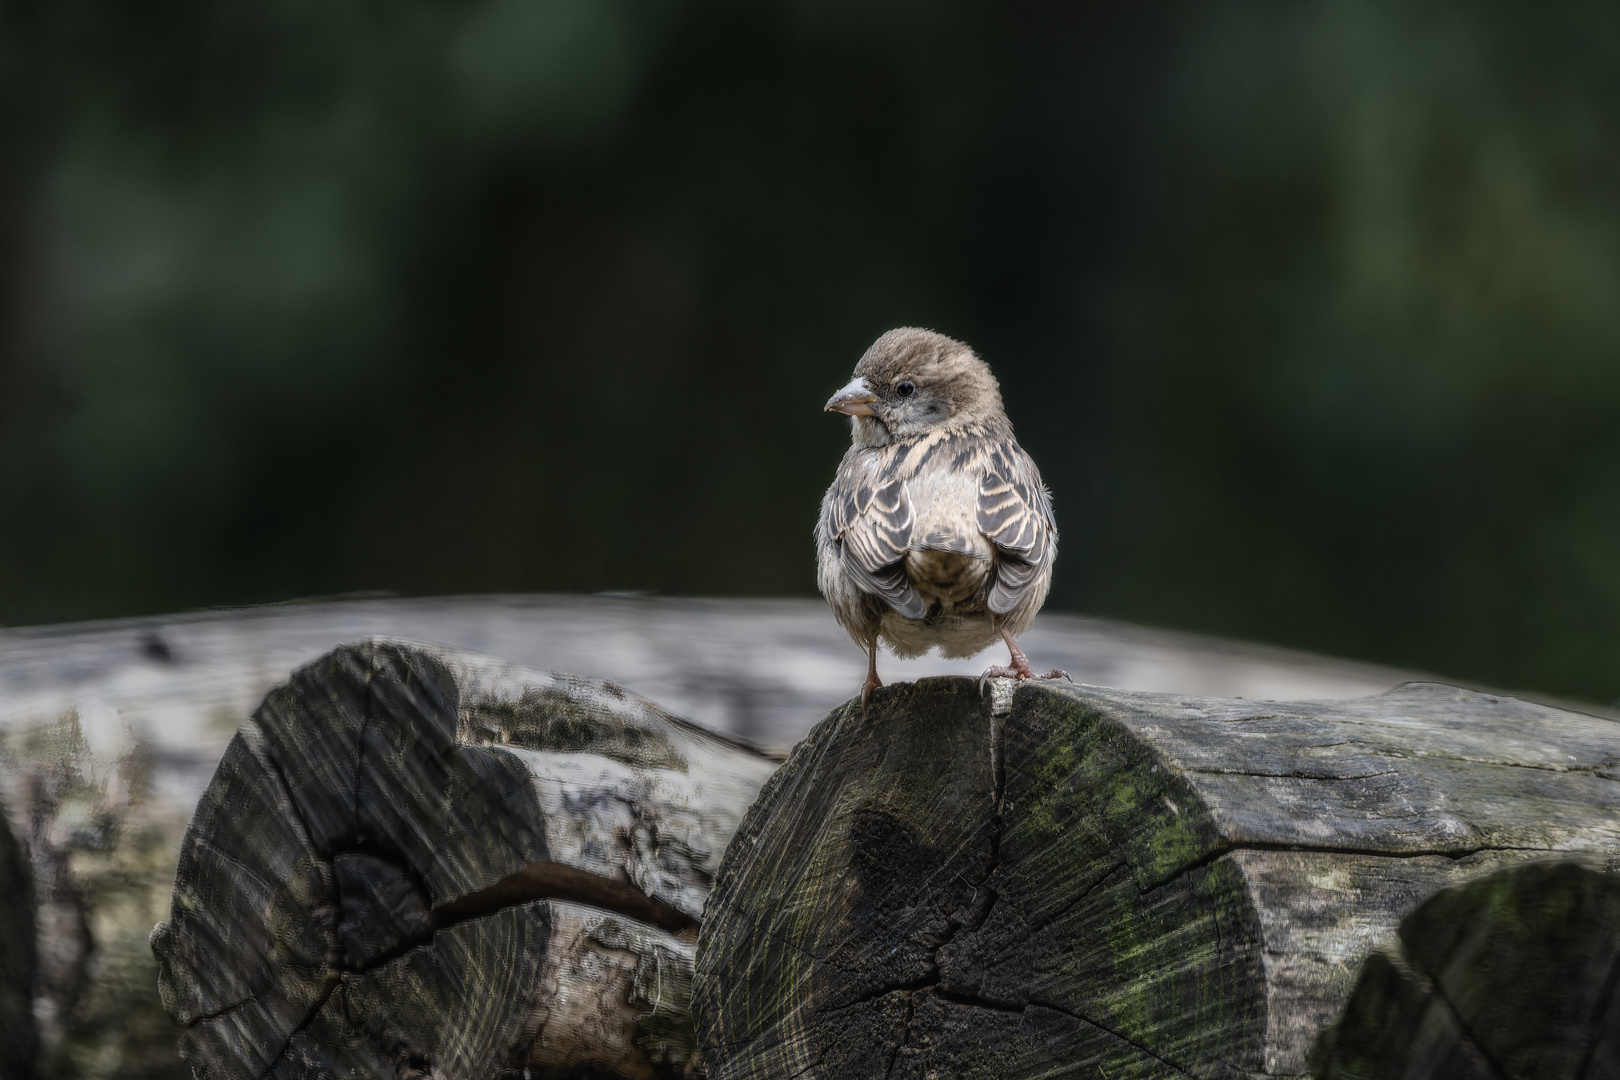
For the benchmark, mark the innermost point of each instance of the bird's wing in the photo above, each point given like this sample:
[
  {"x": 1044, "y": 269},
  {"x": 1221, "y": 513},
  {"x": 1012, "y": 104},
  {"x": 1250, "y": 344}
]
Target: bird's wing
[
  {"x": 1015, "y": 513},
  {"x": 871, "y": 523}
]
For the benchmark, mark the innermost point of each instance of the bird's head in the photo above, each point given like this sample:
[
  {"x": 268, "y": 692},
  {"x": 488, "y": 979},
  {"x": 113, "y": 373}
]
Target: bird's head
[{"x": 914, "y": 381}]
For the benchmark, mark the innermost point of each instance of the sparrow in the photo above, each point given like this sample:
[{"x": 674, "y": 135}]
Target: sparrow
[{"x": 937, "y": 530}]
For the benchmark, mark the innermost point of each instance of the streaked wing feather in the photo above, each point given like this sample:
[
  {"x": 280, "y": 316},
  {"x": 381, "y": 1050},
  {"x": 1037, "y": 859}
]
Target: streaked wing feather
[
  {"x": 872, "y": 525},
  {"x": 1013, "y": 577},
  {"x": 1015, "y": 513}
]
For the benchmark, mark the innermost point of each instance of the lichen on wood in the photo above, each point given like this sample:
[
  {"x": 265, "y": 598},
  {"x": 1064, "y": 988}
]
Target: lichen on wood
[
  {"x": 1101, "y": 880},
  {"x": 110, "y": 732}
]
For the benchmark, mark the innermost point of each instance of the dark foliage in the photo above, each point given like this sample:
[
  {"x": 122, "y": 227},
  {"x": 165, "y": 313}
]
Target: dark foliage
[{"x": 1307, "y": 311}]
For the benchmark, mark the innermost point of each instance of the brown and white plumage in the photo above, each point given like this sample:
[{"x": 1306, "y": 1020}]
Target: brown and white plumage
[{"x": 937, "y": 531}]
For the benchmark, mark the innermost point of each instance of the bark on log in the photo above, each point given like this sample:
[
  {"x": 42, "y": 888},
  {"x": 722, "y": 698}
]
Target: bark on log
[
  {"x": 421, "y": 863},
  {"x": 1100, "y": 882},
  {"x": 1511, "y": 977},
  {"x": 111, "y": 731}
]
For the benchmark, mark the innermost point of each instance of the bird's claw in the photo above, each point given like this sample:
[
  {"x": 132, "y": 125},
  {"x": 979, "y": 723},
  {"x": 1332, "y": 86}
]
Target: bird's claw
[{"x": 1000, "y": 671}]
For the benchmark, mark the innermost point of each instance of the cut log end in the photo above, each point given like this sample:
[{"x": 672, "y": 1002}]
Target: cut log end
[
  {"x": 1103, "y": 881},
  {"x": 1516, "y": 974},
  {"x": 19, "y": 960},
  {"x": 415, "y": 862}
]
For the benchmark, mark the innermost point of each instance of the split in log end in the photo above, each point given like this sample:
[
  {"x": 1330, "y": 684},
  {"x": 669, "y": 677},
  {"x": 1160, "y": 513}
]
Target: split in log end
[{"x": 416, "y": 861}]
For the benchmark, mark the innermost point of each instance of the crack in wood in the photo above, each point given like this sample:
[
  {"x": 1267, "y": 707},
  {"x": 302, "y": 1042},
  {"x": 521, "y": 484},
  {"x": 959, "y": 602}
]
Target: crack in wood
[
  {"x": 219, "y": 1012},
  {"x": 538, "y": 881},
  {"x": 309, "y": 1018},
  {"x": 1178, "y": 1070},
  {"x": 1372, "y": 748},
  {"x": 1085, "y": 786},
  {"x": 1453, "y": 854},
  {"x": 977, "y": 914},
  {"x": 905, "y": 1038},
  {"x": 931, "y": 979},
  {"x": 1294, "y": 775},
  {"x": 1576, "y": 770},
  {"x": 340, "y": 872},
  {"x": 972, "y": 1002}
]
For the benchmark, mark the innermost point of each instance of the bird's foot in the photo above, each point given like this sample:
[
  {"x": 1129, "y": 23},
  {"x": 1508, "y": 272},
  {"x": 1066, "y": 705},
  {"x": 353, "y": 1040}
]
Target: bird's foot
[{"x": 1019, "y": 669}]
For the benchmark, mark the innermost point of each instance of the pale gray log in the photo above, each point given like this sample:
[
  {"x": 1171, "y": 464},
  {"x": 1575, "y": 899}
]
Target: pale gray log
[{"x": 1321, "y": 914}]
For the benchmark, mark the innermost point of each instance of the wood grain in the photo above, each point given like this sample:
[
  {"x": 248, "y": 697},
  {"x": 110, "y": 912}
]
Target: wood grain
[
  {"x": 122, "y": 723},
  {"x": 1511, "y": 977},
  {"x": 1105, "y": 880},
  {"x": 19, "y": 962},
  {"x": 390, "y": 873},
  {"x": 110, "y": 732}
]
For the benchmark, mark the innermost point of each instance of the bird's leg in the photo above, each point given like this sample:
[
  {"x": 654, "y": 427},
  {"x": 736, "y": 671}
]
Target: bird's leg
[
  {"x": 1020, "y": 662},
  {"x": 1018, "y": 666},
  {"x": 872, "y": 680}
]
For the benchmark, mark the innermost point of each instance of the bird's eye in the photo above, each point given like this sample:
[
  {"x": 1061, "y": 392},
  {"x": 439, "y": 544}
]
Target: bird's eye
[{"x": 906, "y": 388}]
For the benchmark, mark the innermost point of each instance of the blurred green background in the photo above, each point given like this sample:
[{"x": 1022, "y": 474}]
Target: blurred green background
[{"x": 1310, "y": 312}]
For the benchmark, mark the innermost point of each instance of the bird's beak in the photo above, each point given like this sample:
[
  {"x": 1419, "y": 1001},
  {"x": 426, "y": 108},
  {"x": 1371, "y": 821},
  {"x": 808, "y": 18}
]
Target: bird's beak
[{"x": 855, "y": 399}]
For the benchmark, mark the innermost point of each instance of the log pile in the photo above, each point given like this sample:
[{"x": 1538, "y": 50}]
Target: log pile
[
  {"x": 422, "y": 863},
  {"x": 111, "y": 731},
  {"x": 1091, "y": 882},
  {"x": 19, "y": 964}
]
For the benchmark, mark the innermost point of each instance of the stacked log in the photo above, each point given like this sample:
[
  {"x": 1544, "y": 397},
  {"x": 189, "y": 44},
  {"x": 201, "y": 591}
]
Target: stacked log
[
  {"x": 421, "y": 863},
  {"x": 19, "y": 962},
  {"x": 111, "y": 731},
  {"x": 1515, "y": 975},
  {"x": 416, "y": 862},
  {"x": 1092, "y": 882}
]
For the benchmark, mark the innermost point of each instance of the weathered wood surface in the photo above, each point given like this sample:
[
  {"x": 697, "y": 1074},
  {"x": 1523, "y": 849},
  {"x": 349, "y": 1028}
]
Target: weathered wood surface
[
  {"x": 19, "y": 964},
  {"x": 415, "y": 862},
  {"x": 1511, "y": 977},
  {"x": 1101, "y": 882},
  {"x": 110, "y": 732}
]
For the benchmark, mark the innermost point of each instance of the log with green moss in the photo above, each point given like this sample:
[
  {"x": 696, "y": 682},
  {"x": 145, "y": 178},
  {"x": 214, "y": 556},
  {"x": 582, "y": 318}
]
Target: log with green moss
[
  {"x": 110, "y": 732},
  {"x": 1076, "y": 881},
  {"x": 414, "y": 862},
  {"x": 1516, "y": 975}
]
